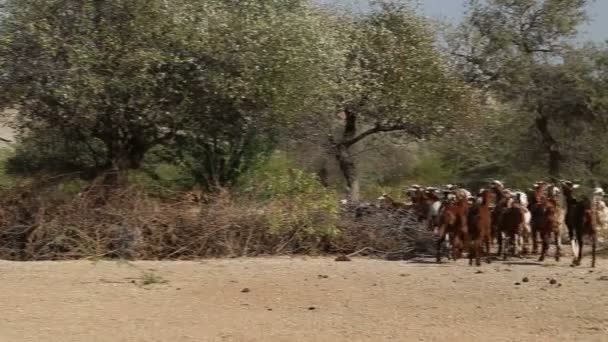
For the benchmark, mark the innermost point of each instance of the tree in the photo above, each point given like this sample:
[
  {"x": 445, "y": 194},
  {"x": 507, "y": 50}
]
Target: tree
[
  {"x": 209, "y": 80},
  {"x": 94, "y": 70},
  {"x": 515, "y": 49},
  {"x": 395, "y": 80},
  {"x": 268, "y": 61}
]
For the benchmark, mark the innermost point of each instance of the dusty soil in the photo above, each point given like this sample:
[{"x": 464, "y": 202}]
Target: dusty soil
[{"x": 301, "y": 299}]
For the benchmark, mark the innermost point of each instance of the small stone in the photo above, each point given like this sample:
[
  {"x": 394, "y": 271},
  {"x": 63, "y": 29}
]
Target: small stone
[
  {"x": 246, "y": 290},
  {"x": 479, "y": 272},
  {"x": 323, "y": 276},
  {"x": 552, "y": 281},
  {"x": 311, "y": 308},
  {"x": 525, "y": 280},
  {"x": 518, "y": 283},
  {"x": 559, "y": 285},
  {"x": 604, "y": 278}
]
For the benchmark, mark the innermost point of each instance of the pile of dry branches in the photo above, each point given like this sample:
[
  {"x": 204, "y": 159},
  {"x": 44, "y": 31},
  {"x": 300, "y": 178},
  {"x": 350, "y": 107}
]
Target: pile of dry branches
[
  {"x": 38, "y": 222},
  {"x": 389, "y": 233}
]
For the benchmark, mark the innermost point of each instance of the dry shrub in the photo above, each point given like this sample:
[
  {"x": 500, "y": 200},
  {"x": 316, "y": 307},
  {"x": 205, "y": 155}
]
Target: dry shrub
[
  {"x": 43, "y": 221},
  {"x": 36, "y": 223},
  {"x": 389, "y": 233}
]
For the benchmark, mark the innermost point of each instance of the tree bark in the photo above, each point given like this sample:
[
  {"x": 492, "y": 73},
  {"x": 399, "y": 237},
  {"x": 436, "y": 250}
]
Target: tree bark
[
  {"x": 345, "y": 158},
  {"x": 551, "y": 146},
  {"x": 349, "y": 171}
]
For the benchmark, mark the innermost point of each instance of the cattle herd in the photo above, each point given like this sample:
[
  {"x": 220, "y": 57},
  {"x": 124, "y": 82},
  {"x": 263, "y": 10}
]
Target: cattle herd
[{"x": 512, "y": 219}]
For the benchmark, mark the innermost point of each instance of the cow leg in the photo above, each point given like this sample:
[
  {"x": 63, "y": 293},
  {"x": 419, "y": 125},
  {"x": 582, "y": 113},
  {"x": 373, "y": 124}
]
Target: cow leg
[
  {"x": 449, "y": 245},
  {"x": 504, "y": 246},
  {"x": 522, "y": 246},
  {"x": 441, "y": 232},
  {"x": 580, "y": 243},
  {"x": 558, "y": 246},
  {"x": 499, "y": 242},
  {"x": 456, "y": 247},
  {"x": 474, "y": 252},
  {"x": 593, "y": 247},
  {"x": 488, "y": 243},
  {"x": 544, "y": 247},
  {"x": 534, "y": 240},
  {"x": 478, "y": 252},
  {"x": 573, "y": 242}
]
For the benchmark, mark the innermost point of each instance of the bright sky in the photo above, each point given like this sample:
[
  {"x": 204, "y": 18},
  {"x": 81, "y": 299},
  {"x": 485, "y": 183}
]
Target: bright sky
[{"x": 451, "y": 10}]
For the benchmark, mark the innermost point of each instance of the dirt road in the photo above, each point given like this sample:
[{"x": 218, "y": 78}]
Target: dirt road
[{"x": 301, "y": 299}]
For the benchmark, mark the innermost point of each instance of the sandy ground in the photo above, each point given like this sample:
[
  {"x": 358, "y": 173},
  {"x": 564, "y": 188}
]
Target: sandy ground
[{"x": 301, "y": 299}]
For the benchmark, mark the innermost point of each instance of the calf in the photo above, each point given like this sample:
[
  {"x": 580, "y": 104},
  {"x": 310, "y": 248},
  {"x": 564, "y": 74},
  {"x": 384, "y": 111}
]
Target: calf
[
  {"x": 497, "y": 188},
  {"x": 511, "y": 225},
  {"x": 551, "y": 223},
  {"x": 537, "y": 212},
  {"x": 453, "y": 221},
  {"x": 433, "y": 209},
  {"x": 521, "y": 199},
  {"x": 480, "y": 225},
  {"x": 418, "y": 196},
  {"x": 581, "y": 220}
]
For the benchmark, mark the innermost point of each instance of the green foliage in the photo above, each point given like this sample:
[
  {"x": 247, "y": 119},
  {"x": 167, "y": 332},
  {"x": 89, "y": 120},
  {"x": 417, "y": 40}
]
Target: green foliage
[
  {"x": 402, "y": 77},
  {"x": 433, "y": 170},
  {"x": 295, "y": 199},
  {"x": 48, "y": 150}
]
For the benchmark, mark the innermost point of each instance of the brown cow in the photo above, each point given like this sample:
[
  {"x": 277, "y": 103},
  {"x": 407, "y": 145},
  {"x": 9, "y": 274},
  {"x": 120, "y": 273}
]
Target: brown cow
[
  {"x": 480, "y": 226},
  {"x": 537, "y": 210},
  {"x": 453, "y": 221},
  {"x": 551, "y": 223}
]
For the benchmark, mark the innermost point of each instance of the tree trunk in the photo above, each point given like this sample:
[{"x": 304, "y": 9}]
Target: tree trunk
[
  {"x": 122, "y": 157},
  {"x": 551, "y": 146},
  {"x": 345, "y": 158},
  {"x": 349, "y": 171}
]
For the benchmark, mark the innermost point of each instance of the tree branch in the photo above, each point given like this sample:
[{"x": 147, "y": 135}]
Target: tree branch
[{"x": 385, "y": 128}]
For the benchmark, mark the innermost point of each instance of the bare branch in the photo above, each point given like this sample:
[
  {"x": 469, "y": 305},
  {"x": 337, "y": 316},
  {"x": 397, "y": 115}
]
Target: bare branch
[{"x": 409, "y": 128}]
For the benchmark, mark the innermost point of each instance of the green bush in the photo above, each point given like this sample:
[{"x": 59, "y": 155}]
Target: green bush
[{"x": 295, "y": 199}]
